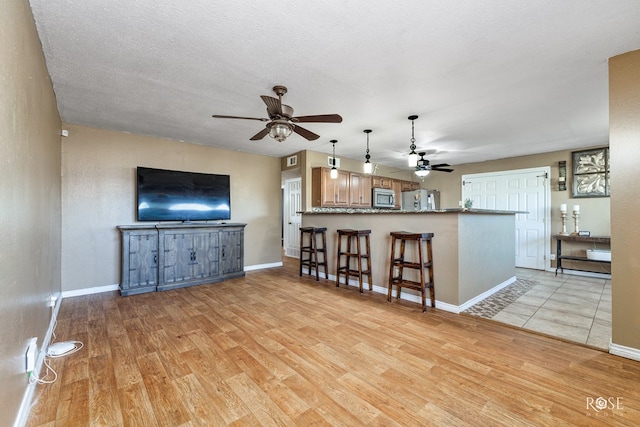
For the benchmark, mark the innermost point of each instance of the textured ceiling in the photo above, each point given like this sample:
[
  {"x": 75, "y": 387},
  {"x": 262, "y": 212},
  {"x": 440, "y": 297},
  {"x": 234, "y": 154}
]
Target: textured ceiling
[{"x": 489, "y": 79}]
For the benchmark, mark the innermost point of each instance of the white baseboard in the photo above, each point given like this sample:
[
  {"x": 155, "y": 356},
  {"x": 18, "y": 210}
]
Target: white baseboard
[
  {"x": 27, "y": 399},
  {"x": 623, "y": 351},
  {"x": 263, "y": 266},
  {"x": 413, "y": 296},
  {"x": 486, "y": 294},
  {"x": 89, "y": 291},
  {"x": 109, "y": 288}
]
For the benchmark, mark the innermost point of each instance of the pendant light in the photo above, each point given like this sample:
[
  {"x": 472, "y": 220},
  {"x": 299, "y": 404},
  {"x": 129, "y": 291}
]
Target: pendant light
[
  {"x": 413, "y": 156},
  {"x": 334, "y": 172},
  {"x": 367, "y": 164}
]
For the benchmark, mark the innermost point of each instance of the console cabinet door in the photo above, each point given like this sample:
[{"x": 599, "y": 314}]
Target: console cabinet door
[
  {"x": 189, "y": 256},
  {"x": 206, "y": 261},
  {"x": 232, "y": 252},
  {"x": 139, "y": 262}
]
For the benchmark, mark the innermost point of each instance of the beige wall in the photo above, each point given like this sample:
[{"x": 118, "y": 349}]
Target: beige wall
[
  {"x": 29, "y": 199},
  {"x": 98, "y": 193},
  {"x": 624, "y": 119}
]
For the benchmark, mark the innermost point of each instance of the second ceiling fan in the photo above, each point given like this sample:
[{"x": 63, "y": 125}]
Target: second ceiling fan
[
  {"x": 425, "y": 166},
  {"x": 281, "y": 122}
]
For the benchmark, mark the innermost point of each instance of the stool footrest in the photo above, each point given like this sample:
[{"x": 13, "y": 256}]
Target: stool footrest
[
  {"x": 353, "y": 255},
  {"x": 414, "y": 265},
  {"x": 352, "y": 271},
  {"x": 410, "y": 283}
]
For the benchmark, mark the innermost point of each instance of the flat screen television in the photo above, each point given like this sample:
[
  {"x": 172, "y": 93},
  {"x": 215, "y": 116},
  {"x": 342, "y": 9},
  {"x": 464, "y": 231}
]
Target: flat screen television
[{"x": 167, "y": 195}]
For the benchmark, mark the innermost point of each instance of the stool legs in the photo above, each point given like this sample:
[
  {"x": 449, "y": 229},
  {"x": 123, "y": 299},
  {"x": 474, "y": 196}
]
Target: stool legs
[
  {"x": 313, "y": 250},
  {"x": 354, "y": 257},
  {"x": 422, "y": 264}
]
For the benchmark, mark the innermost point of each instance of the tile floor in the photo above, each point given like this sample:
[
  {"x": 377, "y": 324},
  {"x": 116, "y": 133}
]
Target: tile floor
[{"x": 575, "y": 308}]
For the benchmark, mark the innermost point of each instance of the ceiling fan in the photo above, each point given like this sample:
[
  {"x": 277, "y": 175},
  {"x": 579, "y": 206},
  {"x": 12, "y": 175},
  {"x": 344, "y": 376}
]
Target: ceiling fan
[
  {"x": 281, "y": 122},
  {"x": 424, "y": 166}
]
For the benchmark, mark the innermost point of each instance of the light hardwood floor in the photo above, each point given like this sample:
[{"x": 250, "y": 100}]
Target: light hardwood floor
[{"x": 276, "y": 349}]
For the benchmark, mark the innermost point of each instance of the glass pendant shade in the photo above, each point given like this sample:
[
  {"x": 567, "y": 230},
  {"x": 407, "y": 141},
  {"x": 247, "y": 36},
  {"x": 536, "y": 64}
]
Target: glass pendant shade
[
  {"x": 334, "y": 173},
  {"x": 280, "y": 131},
  {"x": 422, "y": 173},
  {"x": 413, "y": 160},
  {"x": 368, "y": 168}
]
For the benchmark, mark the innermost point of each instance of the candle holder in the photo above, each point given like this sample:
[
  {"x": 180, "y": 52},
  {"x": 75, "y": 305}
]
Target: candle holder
[
  {"x": 563, "y": 215},
  {"x": 576, "y": 218}
]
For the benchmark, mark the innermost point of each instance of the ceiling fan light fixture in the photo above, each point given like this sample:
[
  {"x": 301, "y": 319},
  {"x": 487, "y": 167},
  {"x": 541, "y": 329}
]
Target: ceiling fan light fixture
[
  {"x": 422, "y": 172},
  {"x": 280, "y": 131},
  {"x": 334, "y": 172},
  {"x": 368, "y": 168}
]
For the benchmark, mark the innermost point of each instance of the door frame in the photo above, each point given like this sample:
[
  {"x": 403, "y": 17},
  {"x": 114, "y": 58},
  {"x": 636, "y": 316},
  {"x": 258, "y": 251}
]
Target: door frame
[
  {"x": 543, "y": 171},
  {"x": 286, "y": 218}
]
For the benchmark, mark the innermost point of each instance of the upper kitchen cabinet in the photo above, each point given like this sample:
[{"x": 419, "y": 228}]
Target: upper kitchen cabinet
[
  {"x": 410, "y": 186},
  {"x": 328, "y": 192},
  {"x": 360, "y": 190},
  {"x": 381, "y": 182}
]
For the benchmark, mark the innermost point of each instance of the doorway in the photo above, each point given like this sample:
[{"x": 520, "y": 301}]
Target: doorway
[
  {"x": 525, "y": 190},
  {"x": 291, "y": 218}
]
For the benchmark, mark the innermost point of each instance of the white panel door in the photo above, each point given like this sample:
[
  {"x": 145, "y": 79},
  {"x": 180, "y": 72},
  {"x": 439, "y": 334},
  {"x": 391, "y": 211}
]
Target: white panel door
[
  {"x": 292, "y": 218},
  {"x": 520, "y": 190}
]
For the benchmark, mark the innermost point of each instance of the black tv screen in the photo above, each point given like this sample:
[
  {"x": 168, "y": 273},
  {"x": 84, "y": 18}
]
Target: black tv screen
[{"x": 166, "y": 195}]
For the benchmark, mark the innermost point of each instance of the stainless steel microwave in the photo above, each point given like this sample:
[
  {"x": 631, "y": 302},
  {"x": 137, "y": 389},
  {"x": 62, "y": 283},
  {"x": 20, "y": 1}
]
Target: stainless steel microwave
[{"x": 383, "y": 198}]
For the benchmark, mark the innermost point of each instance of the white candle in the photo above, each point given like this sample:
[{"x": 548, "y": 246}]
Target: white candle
[
  {"x": 576, "y": 208},
  {"x": 563, "y": 207}
]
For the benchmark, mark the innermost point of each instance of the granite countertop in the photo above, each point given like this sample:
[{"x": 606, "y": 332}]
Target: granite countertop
[{"x": 322, "y": 211}]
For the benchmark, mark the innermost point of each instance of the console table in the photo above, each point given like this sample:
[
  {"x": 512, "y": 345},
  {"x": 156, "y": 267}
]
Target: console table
[
  {"x": 169, "y": 256},
  {"x": 577, "y": 239}
]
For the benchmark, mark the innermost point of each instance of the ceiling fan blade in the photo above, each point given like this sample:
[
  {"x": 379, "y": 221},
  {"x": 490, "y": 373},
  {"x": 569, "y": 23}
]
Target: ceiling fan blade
[
  {"x": 258, "y": 136},
  {"x": 307, "y": 134},
  {"x": 320, "y": 118},
  {"x": 274, "y": 106},
  {"x": 440, "y": 165},
  {"x": 218, "y": 116},
  {"x": 441, "y": 170}
]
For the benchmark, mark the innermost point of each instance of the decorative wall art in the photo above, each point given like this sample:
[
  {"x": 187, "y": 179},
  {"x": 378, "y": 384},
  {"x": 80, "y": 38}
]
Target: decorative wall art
[{"x": 591, "y": 173}]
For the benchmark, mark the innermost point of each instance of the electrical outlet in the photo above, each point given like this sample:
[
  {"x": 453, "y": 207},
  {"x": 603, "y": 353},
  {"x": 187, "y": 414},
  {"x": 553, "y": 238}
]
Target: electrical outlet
[
  {"x": 552, "y": 257},
  {"x": 51, "y": 301},
  {"x": 32, "y": 354}
]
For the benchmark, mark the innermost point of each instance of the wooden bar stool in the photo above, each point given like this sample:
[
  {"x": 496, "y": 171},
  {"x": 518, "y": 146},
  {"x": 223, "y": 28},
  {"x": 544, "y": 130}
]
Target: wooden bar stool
[
  {"x": 420, "y": 265},
  {"x": 356, "y": 256},
  {"x": 313, "y": 250}
]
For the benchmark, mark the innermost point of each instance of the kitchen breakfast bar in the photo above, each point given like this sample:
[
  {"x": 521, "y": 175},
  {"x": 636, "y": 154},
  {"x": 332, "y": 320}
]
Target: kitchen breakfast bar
[{"x": 473, "y": 249}]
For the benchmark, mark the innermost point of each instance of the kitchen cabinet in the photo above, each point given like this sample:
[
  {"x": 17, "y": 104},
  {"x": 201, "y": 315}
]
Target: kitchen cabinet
[
  {"x": 169, "y": 256},
  {"x": 410, "y": 186},
  {"x": 327, "y": 192},
  {"x": 359, "y": 190},
  {"x": 381, "y": 182},
  {"x": 396, "y": 185}
]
